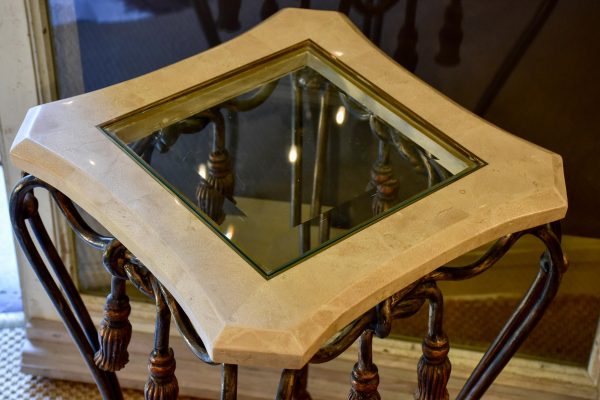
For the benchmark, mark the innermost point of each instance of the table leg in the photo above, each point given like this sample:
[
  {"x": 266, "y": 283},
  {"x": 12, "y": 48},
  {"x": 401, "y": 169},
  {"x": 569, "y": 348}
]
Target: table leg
[
  {"x": 300, "y": 390},
  {"x": 229, "y": 374},
  {"x": 70, "y": 307},
  {"x": 285, "y": 391},
  {"x": 525, "y": 317}
]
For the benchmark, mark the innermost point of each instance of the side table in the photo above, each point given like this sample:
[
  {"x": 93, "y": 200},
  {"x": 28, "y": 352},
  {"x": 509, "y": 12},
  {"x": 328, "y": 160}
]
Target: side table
[{"x": 279, "y": 197}]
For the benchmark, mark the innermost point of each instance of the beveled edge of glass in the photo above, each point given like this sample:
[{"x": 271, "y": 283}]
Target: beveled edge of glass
[{"x": 279, "y": 64}]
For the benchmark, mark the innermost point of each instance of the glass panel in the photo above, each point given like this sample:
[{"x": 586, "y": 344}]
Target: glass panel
[{"x": 281, "y": 167}]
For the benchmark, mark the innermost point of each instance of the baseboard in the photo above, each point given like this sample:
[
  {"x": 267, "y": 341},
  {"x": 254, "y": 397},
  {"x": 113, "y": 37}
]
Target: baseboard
[{"x": 50, "y": 352}]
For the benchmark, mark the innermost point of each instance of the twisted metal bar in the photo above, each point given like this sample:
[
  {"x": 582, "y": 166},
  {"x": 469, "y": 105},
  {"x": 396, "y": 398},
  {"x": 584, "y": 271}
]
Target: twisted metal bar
[
  {"x": 139, "y": 278},
  {"x": 344, "y": 338},
  {"x": 378, "y": 319},
  {"x": 491, "y": 257},
  {"x": 70, "y": 307}
]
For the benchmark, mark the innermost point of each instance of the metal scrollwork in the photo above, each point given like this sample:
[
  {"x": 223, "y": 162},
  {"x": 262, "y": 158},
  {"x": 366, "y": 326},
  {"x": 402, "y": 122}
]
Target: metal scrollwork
[{"x": 106, "y": 352}]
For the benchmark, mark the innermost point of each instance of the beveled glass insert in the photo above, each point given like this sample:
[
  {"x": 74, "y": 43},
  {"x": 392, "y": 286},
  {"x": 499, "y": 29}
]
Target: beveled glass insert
[{"x": 290, "y": 154}]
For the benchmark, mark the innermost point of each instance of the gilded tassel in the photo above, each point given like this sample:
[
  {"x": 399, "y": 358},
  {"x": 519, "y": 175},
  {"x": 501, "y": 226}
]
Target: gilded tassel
[
  {"x": 115, "y": 330},
  {"x": 365, "y": 377},
  {"x": 162, "y": 383},
  {"x": 433, "y": 370}
]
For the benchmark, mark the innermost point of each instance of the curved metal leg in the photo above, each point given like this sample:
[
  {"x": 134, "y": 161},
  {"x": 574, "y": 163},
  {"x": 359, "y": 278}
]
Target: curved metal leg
[
  {"x": 287, "y": 383},
  {"x": 70, "y": 307},
  {"x": 229, "y": 375},
  {"x": 300, "y": 391},
  {"x": 524, "y": 319}
]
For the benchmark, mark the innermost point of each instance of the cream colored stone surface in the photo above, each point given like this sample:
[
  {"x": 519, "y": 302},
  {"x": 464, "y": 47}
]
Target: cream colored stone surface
[{"x": 241, "y": 317}]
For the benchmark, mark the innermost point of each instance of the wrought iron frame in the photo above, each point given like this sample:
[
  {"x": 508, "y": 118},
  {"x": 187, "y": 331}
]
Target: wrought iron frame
[{"x": 105, "y": 351}]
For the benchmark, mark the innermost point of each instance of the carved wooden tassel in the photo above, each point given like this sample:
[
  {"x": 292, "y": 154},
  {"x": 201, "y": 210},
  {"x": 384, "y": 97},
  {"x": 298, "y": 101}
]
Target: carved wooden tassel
[
  {"x": 365, "y": 377},
  {"x": 115, "y": 329},
  {"x": 434, "y": 367},
  {"x": 162, "y": 383}
]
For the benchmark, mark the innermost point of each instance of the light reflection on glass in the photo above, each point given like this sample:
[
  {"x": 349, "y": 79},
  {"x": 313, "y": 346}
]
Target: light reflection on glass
[
  {"x": 202, "y": 170},
  {"x": 340, "y": 116},
  {"x": 229, "y": 232},
  {"x": 293, "y": 154}
]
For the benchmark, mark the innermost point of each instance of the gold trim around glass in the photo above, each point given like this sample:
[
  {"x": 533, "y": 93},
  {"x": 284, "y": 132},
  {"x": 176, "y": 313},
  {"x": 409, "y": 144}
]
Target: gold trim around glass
[{"x": 432, "y": 146}]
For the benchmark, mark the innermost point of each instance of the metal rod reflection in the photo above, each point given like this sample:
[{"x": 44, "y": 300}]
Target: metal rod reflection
[
  {"x": 321, "y": 154},
  {"x": 297, "y": 132}
]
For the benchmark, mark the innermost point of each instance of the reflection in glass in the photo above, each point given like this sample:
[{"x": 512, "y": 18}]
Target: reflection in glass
[{"x": 292, "y": 164}]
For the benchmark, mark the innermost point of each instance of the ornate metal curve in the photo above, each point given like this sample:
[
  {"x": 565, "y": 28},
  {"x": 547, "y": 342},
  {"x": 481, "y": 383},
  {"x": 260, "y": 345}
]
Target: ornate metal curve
[
  {"x": 185, "y": 327},
  {"x": 24, "y": 207},
  {"x": 75, "y": 220},
  {"x": 118, "y": 261},
  {"x": 260, "y": 96},
  {"x": 491, "y": 256},
  {"x": 344, "y": 338},
  {"x": 124, "y": 265}
]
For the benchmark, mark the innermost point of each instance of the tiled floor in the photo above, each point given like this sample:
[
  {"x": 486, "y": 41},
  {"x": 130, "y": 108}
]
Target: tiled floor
[
  {"x": 10, "y": 293},
  {"x": 15, "y": 385}
]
